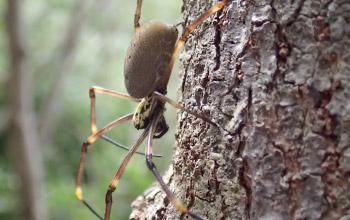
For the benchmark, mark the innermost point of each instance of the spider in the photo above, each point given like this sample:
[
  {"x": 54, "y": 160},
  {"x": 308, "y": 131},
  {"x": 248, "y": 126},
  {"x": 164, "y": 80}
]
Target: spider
[{"x": 148, "y": 65}]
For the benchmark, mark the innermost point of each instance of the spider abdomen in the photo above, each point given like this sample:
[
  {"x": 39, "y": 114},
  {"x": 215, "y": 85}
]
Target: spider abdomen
[{"x": 147, "y": 57}]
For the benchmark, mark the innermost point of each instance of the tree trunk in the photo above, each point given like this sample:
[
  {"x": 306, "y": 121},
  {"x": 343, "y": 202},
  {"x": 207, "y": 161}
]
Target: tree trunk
[
  {"x": 24, "y": 139},
  {"x": 275, "y": 78}
]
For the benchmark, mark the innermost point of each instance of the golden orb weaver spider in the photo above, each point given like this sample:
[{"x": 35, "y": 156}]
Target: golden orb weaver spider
[{"x": 150, "y": 59}]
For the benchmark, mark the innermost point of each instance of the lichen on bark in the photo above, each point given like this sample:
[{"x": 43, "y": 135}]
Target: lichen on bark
[{"x": 275, "y": 77}]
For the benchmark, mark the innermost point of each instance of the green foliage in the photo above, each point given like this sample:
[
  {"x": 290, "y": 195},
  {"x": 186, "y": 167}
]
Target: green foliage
[{"x": 98, "y": 60}]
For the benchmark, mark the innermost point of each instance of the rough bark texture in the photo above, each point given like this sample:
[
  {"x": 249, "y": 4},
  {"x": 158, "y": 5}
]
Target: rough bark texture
[{"x": 275, "y": 77}]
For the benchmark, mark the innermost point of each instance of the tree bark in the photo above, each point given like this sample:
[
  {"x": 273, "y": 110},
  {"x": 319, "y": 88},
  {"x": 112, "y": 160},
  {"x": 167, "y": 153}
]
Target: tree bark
[
  {"x": 24, "y": 139},
  {"x": 275, "y": 78}
]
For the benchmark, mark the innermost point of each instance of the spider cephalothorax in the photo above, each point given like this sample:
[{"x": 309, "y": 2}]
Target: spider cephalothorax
[
  {"x": 146, "y": 111},
  {"x": 147, "y": 69}
]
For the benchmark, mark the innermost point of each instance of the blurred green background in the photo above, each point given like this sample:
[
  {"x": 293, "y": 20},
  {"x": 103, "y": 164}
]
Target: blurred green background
[{"x": 72, "y": 45}]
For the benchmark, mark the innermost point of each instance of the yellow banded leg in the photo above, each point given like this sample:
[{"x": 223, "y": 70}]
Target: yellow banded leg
[
  {"x": 152, "y": 167},
  {"x": 90, "y": 140},
  {"x": 98, "y": 90},
  {"x": 137, "y": 15},
  {"x": 114, "y": 183},
  {"x": 179, "y": 44}
]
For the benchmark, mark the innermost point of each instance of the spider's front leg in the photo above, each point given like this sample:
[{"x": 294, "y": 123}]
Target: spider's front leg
[
  {"x": 137, "y": 15},
  {"x": 98, "y": 90},
  {"x": 89, "y": 141},
  {"x": 96, "y": 134}
]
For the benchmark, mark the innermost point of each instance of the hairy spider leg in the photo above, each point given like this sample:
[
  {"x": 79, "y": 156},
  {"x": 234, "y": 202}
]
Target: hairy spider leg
[
  {"x": 177, "y": 105},
  {"x": 137, "y": 15},
  {"x": 179, "y": 44},
  {"x": 152, "y": 167},
  {"x": 90, "y": 140},
  {"x": 98, "y": 90},
  {"x": 114, "y": 183}
]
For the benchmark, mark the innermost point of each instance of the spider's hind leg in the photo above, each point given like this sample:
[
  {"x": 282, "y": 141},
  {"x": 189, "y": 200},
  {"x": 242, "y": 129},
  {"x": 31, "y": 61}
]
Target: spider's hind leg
[
  {"x": 114, "y": 183},
  {"x": 152, "y": 167},
  {"x": 187, "y": 31}
]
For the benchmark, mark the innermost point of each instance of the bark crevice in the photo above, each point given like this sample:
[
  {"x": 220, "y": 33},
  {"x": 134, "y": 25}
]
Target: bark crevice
[{"x": 275, "y": 84}]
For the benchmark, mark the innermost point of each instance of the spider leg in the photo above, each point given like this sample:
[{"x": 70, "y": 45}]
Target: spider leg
[
  {"x": 98, "y": 90},
  {"x": 115, "y": 143},
  {"x": 137, "y": 15},
  {"x": 152, "y": 167},
  {"x": 177, "y": 105},
  {"x": 179, "y": 44},
  {"x": 114, "y": 183},
  {"x": 90, "y": 140}
]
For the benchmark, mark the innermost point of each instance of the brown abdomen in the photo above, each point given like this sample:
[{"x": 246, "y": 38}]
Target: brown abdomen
[{"x": 147, "y": 57}]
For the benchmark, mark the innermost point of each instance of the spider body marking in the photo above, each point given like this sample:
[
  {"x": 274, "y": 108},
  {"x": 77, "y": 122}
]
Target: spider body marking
[{"x": 147, "y": 109}]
